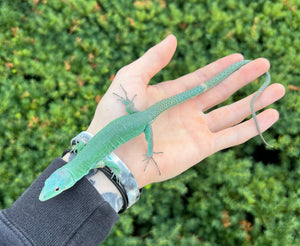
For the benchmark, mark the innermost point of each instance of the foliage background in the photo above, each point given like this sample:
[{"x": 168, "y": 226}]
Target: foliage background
[{"x": 58, "y": 57}]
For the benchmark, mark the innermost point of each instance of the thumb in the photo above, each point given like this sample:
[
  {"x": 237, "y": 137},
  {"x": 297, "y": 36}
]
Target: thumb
[{"x": 155, "y": 59}]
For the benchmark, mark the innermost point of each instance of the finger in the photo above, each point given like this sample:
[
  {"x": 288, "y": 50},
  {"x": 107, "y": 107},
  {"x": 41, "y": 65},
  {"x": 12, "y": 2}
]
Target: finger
[
  {"x": 155, "y": 59},
  {"x": 199, "y": 76},
  {"x": 244, "y": 131},
  {"x": 233, "y": 82},
  {"x": 233, "y": 114}
]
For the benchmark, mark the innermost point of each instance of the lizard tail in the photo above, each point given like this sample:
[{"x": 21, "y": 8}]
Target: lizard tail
[
  {"x": 172, "y": 101},
  {"x": 260, "y": 90}
]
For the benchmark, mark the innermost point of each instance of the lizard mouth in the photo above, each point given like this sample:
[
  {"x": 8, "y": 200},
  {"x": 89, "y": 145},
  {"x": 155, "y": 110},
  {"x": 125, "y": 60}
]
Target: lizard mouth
[{"x": 42, "y": 196}]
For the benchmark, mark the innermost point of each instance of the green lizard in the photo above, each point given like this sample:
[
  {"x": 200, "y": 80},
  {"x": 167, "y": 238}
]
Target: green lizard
[{"x": 123, "y": 129}]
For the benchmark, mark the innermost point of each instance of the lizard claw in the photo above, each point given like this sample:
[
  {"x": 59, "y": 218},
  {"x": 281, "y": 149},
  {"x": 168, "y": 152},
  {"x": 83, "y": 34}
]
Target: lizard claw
[
  {"x": 130, "y": 108},
  {"x": 125, "y": 100},
  {"x": 150, "y": 157}
]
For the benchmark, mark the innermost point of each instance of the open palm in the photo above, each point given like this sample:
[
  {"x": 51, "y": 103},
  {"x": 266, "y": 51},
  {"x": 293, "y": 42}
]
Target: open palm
[{"x": 185, "y": 134}]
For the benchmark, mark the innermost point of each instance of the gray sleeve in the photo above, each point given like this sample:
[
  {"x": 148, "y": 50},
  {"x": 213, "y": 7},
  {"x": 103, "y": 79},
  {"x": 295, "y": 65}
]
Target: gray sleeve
[{"x": 79, "y": 216}]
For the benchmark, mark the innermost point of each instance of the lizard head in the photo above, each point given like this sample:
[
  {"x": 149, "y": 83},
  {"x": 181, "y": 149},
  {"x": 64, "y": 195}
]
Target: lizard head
[{"x": 58, "y": 182}]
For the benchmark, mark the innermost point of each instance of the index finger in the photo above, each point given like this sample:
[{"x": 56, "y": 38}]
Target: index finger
[{"x": 199, "y": 76}]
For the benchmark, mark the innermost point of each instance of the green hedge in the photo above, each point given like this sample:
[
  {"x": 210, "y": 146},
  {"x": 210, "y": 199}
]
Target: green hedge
[{"x": 58, "y": 57}]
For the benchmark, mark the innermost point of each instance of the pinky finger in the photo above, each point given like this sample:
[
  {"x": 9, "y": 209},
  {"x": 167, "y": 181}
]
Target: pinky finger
[{"x": 244, "y": 131}]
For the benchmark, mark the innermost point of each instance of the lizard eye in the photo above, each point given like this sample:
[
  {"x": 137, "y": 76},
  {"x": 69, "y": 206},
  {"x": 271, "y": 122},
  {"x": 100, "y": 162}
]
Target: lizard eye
[{"x": 57, "y": 188}]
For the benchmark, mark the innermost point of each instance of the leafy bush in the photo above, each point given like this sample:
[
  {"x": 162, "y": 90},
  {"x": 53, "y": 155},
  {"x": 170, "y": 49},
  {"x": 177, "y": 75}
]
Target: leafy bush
[{"x": 57, "y": 58}]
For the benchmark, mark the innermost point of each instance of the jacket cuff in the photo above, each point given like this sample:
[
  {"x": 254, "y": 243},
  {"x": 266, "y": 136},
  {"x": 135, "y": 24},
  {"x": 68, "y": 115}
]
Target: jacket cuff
[{"x": 78, "y": 216}]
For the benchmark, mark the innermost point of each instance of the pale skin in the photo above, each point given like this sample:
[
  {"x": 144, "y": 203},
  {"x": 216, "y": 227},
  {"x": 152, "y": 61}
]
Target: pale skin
[{"x": 187, "y": 133}]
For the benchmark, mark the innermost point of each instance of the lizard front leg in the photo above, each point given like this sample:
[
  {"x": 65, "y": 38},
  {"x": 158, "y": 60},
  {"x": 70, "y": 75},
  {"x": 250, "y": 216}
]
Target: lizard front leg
[
  {"x": 114, "y": 168},
  {"x": 130, "y": 108},
  {"x": 78, "y": 147}
]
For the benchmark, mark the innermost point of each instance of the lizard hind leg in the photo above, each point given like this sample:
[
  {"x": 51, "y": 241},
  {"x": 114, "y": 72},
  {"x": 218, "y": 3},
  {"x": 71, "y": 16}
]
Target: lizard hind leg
[{"x": 149, "y": 154}]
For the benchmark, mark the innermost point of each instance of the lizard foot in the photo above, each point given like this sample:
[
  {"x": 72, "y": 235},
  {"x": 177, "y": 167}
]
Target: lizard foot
[
  {"x": 78, "y": 147},
  {"x": 115, "y": 173},
  {"x": 125, "y": 100},
  {"x": 150, "y": 157},
  {"x": 113, "y": 167},
  {"x": 130, "y": 108}
]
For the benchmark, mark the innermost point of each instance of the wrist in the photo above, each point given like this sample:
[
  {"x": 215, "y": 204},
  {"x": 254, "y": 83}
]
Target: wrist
[
  {"x": 124, "y": 188},
  {"x": 125, "y": 157},
  {"x": 106, "y": 189},
  {"x": 134, "y": 164},
  {"x": 102, "y": 184}
]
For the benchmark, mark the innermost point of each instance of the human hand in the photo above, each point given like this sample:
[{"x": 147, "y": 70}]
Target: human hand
[{"x": 185, "y": 134}]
